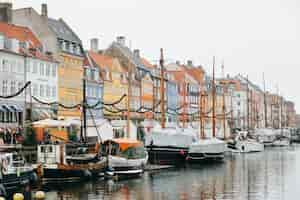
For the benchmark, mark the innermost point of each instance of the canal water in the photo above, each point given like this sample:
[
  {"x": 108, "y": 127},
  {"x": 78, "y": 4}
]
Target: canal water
[{"x": 273, "y": 174}]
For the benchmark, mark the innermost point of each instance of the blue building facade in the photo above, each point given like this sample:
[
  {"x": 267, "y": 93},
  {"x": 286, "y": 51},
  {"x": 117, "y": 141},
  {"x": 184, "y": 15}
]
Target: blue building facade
[{"x": 94, "y": 91}]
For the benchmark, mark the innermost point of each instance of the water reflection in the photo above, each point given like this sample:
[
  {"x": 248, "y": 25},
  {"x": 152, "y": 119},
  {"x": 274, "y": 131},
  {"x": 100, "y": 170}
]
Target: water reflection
[{"x": 271, "y": 174}]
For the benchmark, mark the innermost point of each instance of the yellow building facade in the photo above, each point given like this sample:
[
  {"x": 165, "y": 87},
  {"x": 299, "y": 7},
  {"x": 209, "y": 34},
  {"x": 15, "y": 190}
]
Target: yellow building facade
[
  {"x": 70, "y": 84},
  {"x": 114, "y": 82}
]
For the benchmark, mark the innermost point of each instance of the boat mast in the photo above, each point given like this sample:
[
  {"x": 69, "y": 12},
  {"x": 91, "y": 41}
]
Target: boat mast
[
  {"x": 248, "y": 120},
  {"x": 265, "y": 102},
  {"x": 213, "y": 101},
  {"x": 224, "y": 114},
  {"x": 84, "y": 110},
  {"x": 223, "y": 102},
  {"x": 200, "y": 111},
  {"x": 162, "y": 88},
  {"x": 128, "y": 98}
]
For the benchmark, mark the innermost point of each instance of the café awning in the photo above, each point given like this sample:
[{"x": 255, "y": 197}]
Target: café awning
[{"x": 7, "y": 108}]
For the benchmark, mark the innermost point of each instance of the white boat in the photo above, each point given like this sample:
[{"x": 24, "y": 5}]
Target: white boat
[
  {"x": 265, "y": 135},
  {"x": 206, "y": 149},
  {"x": 283, "y": 137},
  {"x": 244, "y": 144},
  {"x": 281, "y": 142},
  {"x": 126, "y": 157}
]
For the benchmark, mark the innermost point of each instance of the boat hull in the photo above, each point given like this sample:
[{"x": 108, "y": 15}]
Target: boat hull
[
  {"x": 124, "y": 168},
  {"x": 246, "y": 147},
  {"x": 167, "y": 155},
  {"x": 281, "y": 143},
  {"x": 206, "y": 150},
  {"x": 13, "y": 181},
  {"x": 50, "y": 173}
]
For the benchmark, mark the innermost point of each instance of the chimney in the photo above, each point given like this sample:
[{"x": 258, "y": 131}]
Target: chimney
[
  {"x": 94, "y": 45},
  {"x": 44, "y": 11},
  {"x": 190, "y": 63},
  {"x": 6, "y": 12},
  {"x": 136, "y": 53},
  {"x": 121, "y": 40}
]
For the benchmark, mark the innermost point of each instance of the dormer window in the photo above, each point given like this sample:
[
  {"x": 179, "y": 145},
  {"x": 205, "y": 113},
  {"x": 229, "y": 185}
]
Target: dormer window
[
  {"x": 74, "y": 48},
  {"x": 96, "y": 75},
  {"x": 67, "y": 46}
]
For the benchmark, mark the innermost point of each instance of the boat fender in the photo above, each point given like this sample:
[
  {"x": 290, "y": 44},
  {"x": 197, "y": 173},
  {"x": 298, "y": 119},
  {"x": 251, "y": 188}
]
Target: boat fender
[
  {"x": 40, "y": 171},
  {"x": 181, "y": 152},
  {"x": 3, "y": 192},
  {"x": 4, "y": 166},
  {"x": 87, "y": 174}
]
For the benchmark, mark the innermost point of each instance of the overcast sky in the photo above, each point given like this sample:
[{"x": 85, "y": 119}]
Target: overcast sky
[{"x": 252, "y": 37}]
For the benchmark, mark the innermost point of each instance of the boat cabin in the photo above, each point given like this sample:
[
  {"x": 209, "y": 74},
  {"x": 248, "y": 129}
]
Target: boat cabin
[
  {"x": 51, "y": 153},
  {"x": 127, "y": 148}
]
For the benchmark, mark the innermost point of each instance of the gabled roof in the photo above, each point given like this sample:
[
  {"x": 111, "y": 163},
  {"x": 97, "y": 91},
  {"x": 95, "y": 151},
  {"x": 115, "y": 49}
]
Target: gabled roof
[
  {"x": 20, "y": 33},
  {"x": 197, "y": 73},
  {"x": 63, "y": 31},
  {"x": 24, "y": 34},
  {"x": 130, "y": 56},
  {"x": 102, "y": 61}
]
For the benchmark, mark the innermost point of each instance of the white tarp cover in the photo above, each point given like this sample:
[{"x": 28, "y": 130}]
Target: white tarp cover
[
  {"x": 171, "y": 137},
  {"x": 211, "y": 145}
]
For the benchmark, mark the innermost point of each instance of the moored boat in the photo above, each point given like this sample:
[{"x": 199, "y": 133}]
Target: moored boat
[
  {"x": 281, "y": 142},
  {"x": 126, "y": 157},
  {"x": 266, "y": 136},
  {"x": 54, "y": 165},
  {"x": 169, "y": 146},
  {"x": 209, "y": 149},
  {"x": 15, "y": 172},
  {"x": 243, "y": 144}
]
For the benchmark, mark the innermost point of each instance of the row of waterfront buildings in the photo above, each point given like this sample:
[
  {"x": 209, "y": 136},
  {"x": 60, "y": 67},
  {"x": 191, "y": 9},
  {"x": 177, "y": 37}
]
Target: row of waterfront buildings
[{"x": 49, "y": 54}]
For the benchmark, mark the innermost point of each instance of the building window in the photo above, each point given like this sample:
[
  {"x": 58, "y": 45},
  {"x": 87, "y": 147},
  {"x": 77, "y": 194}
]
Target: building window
[
  {"x": 20, "y": 67},
  {"x": 54, "y": 70},
  {"x": 20, "y": 86},
  {"x": 54, "y": 91},
  {"x": 47, "y": 69},
  {"x": 41, "y": 90},
  {"x": 13, "y": 66},
  {"x": 48, "y": 91},
  {"x": 5, "y": 65},
  {"x": 34, "y": 67},
  {"x": 35, "y": 90},
  {"x": 92, "y": 75},
  {"x": 4, "y": 87},
  {"x": 28, "y": 66},
  {"x": 42, "y": 69},
  {"x": 13, "y": 87}
]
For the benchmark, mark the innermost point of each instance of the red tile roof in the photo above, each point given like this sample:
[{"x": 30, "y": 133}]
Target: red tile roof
[
  {"x": 20, "y": 33},
  {"x": 101, "y": 60},
  {"x": 24, "y": 34}
]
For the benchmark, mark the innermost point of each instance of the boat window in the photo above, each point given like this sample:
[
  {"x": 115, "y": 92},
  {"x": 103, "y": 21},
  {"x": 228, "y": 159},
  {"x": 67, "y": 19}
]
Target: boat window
[
  {"x": 134, "y": 153},
  {"x": 50, "y": 149}
]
